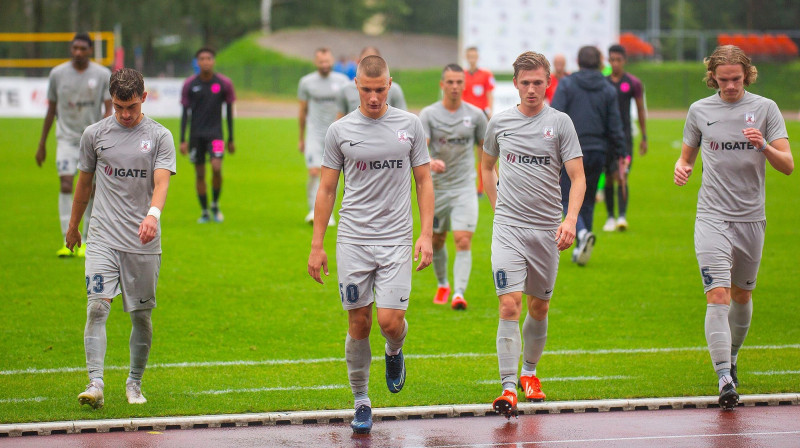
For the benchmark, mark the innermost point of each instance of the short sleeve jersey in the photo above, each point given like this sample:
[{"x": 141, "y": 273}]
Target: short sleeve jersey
[
  {"x": 123, "y": 160},
  {"x": 205, "y": 99},
  {"x": 476, "y": 85},
  {"x": 532, "y": 151},
  {"x": 453, "y": 136},
  {"x": 629, "y": 87},
  {"x": 732, "y": 187},
  {"x": 321, "y": 94},
  {"x": 376, "y": 157},
  {"x": 79, "y": 97},
  {"x": 349, "y": 101}
]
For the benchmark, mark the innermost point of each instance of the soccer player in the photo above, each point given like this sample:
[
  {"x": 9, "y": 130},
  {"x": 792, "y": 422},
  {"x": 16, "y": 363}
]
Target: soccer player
[
  {"x": 202, "y": 97},
  {"x": 134, "y": 158},
  {"x": 533, "y": 142},
  {"x": 737, "y": 132},
  {"x": 628, "y": 87},
  {"x": 478, "y": 87},
  {"x": 591, "y": 102},
  {"x": 377, "y": 147},
  {"x": 318, "y": 93},
  {"x": 559, "y": 71},
  {"x": 349, "y": 100},
  {"x": 78, "y": 95},
  {"x": 453, "y": 128}
]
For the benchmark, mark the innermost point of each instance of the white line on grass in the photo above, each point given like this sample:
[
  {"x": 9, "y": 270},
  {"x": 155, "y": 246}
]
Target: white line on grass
[
  {"x": 22, "y": 400},
  {"x": 777, "y": 372},
  {"x": 269, "y": 389},
  {"x": 273, "y": 362},
  {"x": 568, "y": 378}
]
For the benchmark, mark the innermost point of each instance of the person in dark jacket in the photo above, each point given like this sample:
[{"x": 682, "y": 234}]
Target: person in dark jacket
[{"x": 591, "y": 102}]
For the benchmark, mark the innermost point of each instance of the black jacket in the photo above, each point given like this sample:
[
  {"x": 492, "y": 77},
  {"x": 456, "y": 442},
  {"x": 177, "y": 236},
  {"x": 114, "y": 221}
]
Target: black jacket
[{"x": 591, "y": 102}]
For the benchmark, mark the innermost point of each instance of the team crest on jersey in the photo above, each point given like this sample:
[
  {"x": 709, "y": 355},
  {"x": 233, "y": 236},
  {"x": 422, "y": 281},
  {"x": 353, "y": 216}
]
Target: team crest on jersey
[
  {"x": 750, "y": 118},
  {"x": 548, "y": 133},
  {"x": 92, "y": 83},
  {"x": 467, "y": 121},
  {"x": 146, "y": 146},
  {"x": 402, "y": 136}
]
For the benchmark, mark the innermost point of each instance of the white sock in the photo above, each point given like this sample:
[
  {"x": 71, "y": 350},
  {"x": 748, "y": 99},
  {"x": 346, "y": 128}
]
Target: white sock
[
  {"x": 311, "y": 191},
  {"x": 94, "y": 336},
  {"x": 362, "y": 402},
  {"x": 140, "y": 342},
  {"x": 462, "y": 266},
  {"x": 64, "y": 211},
  {"x": 509, "y": 347},
  {"x": 440, "y": 265}
]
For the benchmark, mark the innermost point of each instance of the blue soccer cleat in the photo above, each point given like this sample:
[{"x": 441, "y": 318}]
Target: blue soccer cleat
[
  {"x": 362, "y": 421},
  {"x": 395, "y": 372}
]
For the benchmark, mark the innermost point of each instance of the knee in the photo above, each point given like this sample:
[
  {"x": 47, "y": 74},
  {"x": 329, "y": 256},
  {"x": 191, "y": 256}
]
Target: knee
[
  {"x": 359, "y": 325},
  {"x": 65, "y": 186},
  {"x": 538, "y": 308},
  {"x": 438, "y": 240},
  {"x": 140, "y": 319},
  {"x": 509, "y": 308},
  {"x": 741, "y": 296},
  {"x": 719, "y": 296},
  {"x": 463, "y": 243},
  {"x": 314, "y": 172},
  {"x": 97, "y": 311}
]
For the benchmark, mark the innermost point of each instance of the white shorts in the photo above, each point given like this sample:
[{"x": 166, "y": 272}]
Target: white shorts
[
  {"x": 110, "y": 272},
  {"x": 728, "y": 252},
  {"x": 455, "y": 210},
  {"x": 67, "y": 155},
  {"x": 380, "y": 274},
  {"x": 313, "y": 152},
  {"x": 524, "y": 260}
]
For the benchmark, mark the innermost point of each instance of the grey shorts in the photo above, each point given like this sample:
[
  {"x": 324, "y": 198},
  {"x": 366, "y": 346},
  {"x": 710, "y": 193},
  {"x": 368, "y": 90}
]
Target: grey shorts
[
  {"x": 455, "y": 210},
  {"x": 313, "y": 152},
  {"x": 380, "y": 274},
  {"x": 110, "y": 272},
  {"x": 728, "y": 252},
  {"x": 67, "y": 155},
  {"x": 524, "y": 260}
]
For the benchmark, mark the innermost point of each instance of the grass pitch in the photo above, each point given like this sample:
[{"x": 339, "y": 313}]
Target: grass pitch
[{"x": 240, "y": 327}]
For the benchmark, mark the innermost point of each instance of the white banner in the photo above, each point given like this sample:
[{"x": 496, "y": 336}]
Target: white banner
[
  {"x": 27, "y": 97},
  {"x": 504, "y": 29}
]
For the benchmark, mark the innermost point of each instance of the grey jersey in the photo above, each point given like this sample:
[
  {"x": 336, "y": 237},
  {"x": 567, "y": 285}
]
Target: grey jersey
[
  {"x": 79, "y": 97},
  {"x": 321, "y": 94},
  {"x": 453, "y": 136},
  {"x": 377, "y": 157},
  {"x": 349, "y": 101},
  {"x": 732, "y": 187},
  {"x": 123, "y": 160},
  {"x": 532, "y": 151}
]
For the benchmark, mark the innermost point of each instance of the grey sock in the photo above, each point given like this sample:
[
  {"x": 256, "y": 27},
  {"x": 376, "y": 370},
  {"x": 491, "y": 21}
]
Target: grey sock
[
  {"x": 393, "y": 346},
  {"x": 64, "y": 212},
  {"x": 718, "y": 337},
  {"x": 440, "y": 265},
  {"x": 509, "y": 346},
  {"x": 87, "y": 215},
  {"x": 94, "y": 336},
  {"x": 461, "y": 269},
  {"x": 739, "y": 318},
  {"x": 357, "y": 355},
  {"x": 141, "y": 339},
  {"x": 311, "y": 191},
  {"x": 534, "y": 334}
]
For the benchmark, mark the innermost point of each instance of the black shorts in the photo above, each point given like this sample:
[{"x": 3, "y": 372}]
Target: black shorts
[
  {"x": 200, "y": 146},
  {"x": 612, "y": 163}
]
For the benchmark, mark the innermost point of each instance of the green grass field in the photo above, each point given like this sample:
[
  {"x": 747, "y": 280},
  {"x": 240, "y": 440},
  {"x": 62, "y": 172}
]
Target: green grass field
[{"x": 240, "y": 327}]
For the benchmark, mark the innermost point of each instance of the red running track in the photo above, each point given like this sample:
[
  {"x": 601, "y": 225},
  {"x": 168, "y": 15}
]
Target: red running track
[{"x": 752, "y": 426}]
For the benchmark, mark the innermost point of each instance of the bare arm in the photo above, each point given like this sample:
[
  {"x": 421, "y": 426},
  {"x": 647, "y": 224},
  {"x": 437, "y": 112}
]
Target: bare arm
[
  {"x": 83, "y": 189},
  {"x": 229, "y": 111},
  {"x": 565, "y": 234},
  {"x": 488, "y": 163},
  {"x": 642, "y": 112},
  {"x": 685, "y": 164},
  {"x": 41, "y": 152},
  {"x": 301, "y": 119},
  {"x": 108, "y": 108},
  {"x": 489, "y": 102},
  {"x": 423, "y": 249},
  {"x": 149, "y": 226},
  {"x": 184, "y": 147},
  {"x": 778, "y": 152},
  {"x": 323, "y": 207}
]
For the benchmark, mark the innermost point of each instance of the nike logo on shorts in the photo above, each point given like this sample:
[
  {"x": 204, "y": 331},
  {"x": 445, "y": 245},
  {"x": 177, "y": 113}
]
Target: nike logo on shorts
[
  {"x": 145, "y": 301},
  {"x": 506, "y": 134},
  {"x": 548, "y": 291},
  {"x": 749, "y": 282},
  {"x": 355, "y": 143},
  {"x": 709, "y": 123},
  {"x": 404, "y": 299}
]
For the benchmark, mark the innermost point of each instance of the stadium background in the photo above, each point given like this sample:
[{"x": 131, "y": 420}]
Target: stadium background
[{"x": 240, "y": 327}]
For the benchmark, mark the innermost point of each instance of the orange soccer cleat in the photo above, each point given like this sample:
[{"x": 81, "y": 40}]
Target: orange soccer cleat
[
  {"x": 458, "y": 302},
  {"x": 442, "y": 295},
  {"x": 506, "y": 404},
  {"x": 532, "y": 388}
]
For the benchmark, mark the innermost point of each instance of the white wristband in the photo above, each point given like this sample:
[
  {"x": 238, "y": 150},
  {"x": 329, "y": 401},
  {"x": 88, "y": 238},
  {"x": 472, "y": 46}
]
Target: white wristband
[
  {"x": 155, "y": 212},
  {"x": 761, "y": 149}
]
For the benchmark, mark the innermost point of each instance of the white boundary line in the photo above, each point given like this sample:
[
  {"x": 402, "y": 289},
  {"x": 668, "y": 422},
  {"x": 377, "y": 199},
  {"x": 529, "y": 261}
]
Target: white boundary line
[
  {"x": 777, "y": 372},
  {"x": 270, "y": 389},
  {"x": 275, "y": 362},
  {"x": 379, "y": 414},
  {"x": 22, "y": 400},
  {"x": 568, "y": 378}
]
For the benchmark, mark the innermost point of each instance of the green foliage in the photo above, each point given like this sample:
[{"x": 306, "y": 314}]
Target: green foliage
[
  {"x": 239, "y": 292},
  {"x": 344, "y": 14}
]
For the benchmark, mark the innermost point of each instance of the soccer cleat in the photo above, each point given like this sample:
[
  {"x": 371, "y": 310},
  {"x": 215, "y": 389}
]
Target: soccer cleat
[
  {"x": 133, "y": 390},
  {"x": 64, "y": 252},
  {"x": 532, "y": 388},
  {"x": 395, "y": 372},
  {"x": 734, "y": 376},
  {"x": 622, "y": 224},
  {"x": 217, "y": 215},
  {"x": 81, "y": 251},
  {"x": 585, "y": 249},
  {"x": 506, "y": 404},
  {"x": 458, "y": 302},
  {"x": 310, "y": 217},
  {"x": 204, "y": 218},
  {"x": 728, "y": 397},
  {"x": 93, "y": 395},
  {"x": 331, "y": 221},
  {"x": 442, "y": 295},
  {"x": 362, "y": 420},
  {"x": 610, "y": 225}
]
